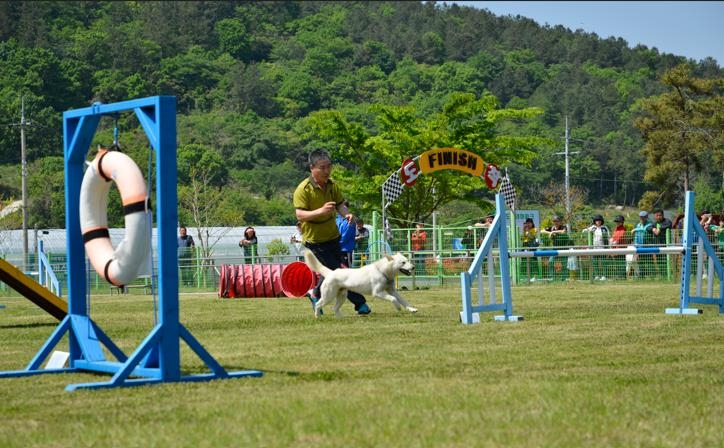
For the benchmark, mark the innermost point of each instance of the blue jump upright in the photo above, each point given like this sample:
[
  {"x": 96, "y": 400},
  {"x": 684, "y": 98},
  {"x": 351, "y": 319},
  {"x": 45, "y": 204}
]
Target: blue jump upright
[
  {"x": 157, "y": 359},
  {"x": 497, "y": 233},
  {"x": 693, "y": 231}
]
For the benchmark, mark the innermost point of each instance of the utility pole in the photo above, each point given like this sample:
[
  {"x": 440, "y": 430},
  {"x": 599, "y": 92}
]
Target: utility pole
[
  {"x": 24, "y": 183},
  {"x": 568, "y": 176},
  {"x": 24, "y": 124}
]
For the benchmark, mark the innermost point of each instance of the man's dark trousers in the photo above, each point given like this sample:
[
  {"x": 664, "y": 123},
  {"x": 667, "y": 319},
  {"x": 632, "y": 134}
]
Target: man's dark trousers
[{"x": 330, "y": 255}]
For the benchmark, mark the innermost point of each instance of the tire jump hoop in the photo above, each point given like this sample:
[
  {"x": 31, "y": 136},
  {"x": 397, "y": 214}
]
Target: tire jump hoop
[
  {"x": 91, "y": 348},
  {"x": 121, "y": 265}
]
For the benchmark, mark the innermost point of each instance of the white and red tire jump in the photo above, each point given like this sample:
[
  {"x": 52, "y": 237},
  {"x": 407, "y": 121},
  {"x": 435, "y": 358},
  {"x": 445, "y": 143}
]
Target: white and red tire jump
[{"x": 126, "y": 262}]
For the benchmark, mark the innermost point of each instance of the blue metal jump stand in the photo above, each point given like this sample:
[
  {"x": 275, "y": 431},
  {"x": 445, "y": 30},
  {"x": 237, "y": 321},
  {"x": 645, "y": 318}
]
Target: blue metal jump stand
[
  {"x": 497, "y": 232},
  {"x": 693, "y": 231},
  {"x": 157, "y": 359}
]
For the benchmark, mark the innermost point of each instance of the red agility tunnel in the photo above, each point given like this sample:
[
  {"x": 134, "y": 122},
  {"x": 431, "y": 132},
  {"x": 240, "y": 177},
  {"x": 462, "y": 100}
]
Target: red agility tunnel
[
  {"x": 251, "y": 280},
  {"x": 297, "y": 279}
]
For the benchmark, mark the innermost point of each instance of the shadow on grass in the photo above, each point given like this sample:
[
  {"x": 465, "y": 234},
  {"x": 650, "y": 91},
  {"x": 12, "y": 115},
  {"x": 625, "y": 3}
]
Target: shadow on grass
[
  {"x": 30, "y": 325},
  {"x": 324, "y": 375}
]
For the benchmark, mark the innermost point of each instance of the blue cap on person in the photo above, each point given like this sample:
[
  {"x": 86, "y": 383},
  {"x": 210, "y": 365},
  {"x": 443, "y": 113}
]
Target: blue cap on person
[{"x": 643, "y": 214}]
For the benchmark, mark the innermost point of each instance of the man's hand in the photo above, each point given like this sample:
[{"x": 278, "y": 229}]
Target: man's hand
[{"x": 329, "y": 207}]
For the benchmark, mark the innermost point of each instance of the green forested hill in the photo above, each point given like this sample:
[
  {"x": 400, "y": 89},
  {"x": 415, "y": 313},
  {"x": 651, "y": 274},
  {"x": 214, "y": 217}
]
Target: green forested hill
[{"x": 255, "y": 82}]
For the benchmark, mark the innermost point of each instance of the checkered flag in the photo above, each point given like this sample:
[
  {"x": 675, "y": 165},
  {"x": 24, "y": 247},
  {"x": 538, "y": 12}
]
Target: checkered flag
[
  {"x": 508, "y": 191},
  {"x": 392, "y": 188}
]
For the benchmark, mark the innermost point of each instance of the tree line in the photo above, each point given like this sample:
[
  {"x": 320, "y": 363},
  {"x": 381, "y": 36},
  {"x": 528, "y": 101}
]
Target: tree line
[{"x": 261, "y": 84}]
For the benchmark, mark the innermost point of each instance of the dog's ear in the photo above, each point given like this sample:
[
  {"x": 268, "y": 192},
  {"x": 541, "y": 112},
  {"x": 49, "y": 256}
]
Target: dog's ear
[{"x": 389, "y": 257}]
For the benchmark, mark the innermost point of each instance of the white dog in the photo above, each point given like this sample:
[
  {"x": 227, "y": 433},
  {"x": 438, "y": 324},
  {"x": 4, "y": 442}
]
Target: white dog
[{"x": 377, "y": 279}]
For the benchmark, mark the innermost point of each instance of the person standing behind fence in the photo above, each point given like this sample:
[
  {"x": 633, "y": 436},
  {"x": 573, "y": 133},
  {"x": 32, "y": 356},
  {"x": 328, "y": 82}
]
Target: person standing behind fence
[
  {"x": 185, "y": 256},
  {"x": 718, "y": 230},
  {"x": 642, "y": 236},
  {"x": 660, "y": 228},
  {"x": 619, "y": 239},
  {"x": 249, "y": 244},
  {"x": 418, "y": 240},
  {"x": 296, "y": 239},
  {"x": 600, "y": 236},
  {"x": 468, "y": 240},
  {"x": 361, "y": 239},
  {"x": 317, "y": 201},
  {"x": 487, "y": 222},
  {"x": 529, "y": 238},
  {"x": 707, "y": 220},
  {"x": 559, "y": 238},
  {"x": 483, "y": 225},
  {"x": 347, "y": 233}
]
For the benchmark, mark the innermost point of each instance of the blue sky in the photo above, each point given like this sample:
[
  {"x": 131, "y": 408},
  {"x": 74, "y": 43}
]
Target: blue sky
[{"x": 691, "y": 29}]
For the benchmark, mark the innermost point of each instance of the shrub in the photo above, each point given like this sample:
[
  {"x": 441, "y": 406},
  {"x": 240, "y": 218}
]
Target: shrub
[{"x": 277, "y": 247}]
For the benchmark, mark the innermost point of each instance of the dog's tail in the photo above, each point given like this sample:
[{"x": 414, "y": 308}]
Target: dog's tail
[{"x": 315, "y": 264}]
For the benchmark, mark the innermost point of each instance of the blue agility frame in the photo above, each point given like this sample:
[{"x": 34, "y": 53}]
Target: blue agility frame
[
  {"x": 693, "y": 232},
  {"x": 157, "y": 358},
  {"x": 497, "y": 232}
]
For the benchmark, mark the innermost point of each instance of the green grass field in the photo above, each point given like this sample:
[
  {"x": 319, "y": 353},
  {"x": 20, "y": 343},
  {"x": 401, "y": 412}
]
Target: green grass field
[{"x": 591, "y": 365}]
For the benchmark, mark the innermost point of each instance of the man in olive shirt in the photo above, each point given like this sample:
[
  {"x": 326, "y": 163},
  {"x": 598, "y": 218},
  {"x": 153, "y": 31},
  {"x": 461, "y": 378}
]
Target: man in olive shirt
[{"x": 317, "y": 201}]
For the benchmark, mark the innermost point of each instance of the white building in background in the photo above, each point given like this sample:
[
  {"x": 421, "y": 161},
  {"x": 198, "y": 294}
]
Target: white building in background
[{"x": 225, "y": 240}]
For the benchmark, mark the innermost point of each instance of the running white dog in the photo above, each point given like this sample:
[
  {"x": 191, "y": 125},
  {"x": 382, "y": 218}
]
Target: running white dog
[{"x": 377, "y": 279}]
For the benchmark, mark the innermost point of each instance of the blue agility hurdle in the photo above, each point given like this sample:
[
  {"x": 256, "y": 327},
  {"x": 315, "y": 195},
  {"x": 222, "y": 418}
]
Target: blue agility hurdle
[
  {"x": 157, "y": 359},
  {"x": 497, "y": 234},
  {"x": 694, "y": 234}
]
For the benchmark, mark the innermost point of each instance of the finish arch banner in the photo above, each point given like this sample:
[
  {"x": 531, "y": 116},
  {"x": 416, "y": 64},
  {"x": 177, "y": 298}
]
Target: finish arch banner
[
  {"x": 460, "y": 160},
  {"x": 451, "y": 159},
  {"x": 439, "y": 159}
]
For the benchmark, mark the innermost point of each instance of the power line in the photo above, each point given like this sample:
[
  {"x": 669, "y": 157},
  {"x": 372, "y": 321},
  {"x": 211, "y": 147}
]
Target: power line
[{"x": 616, "y": 181}]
